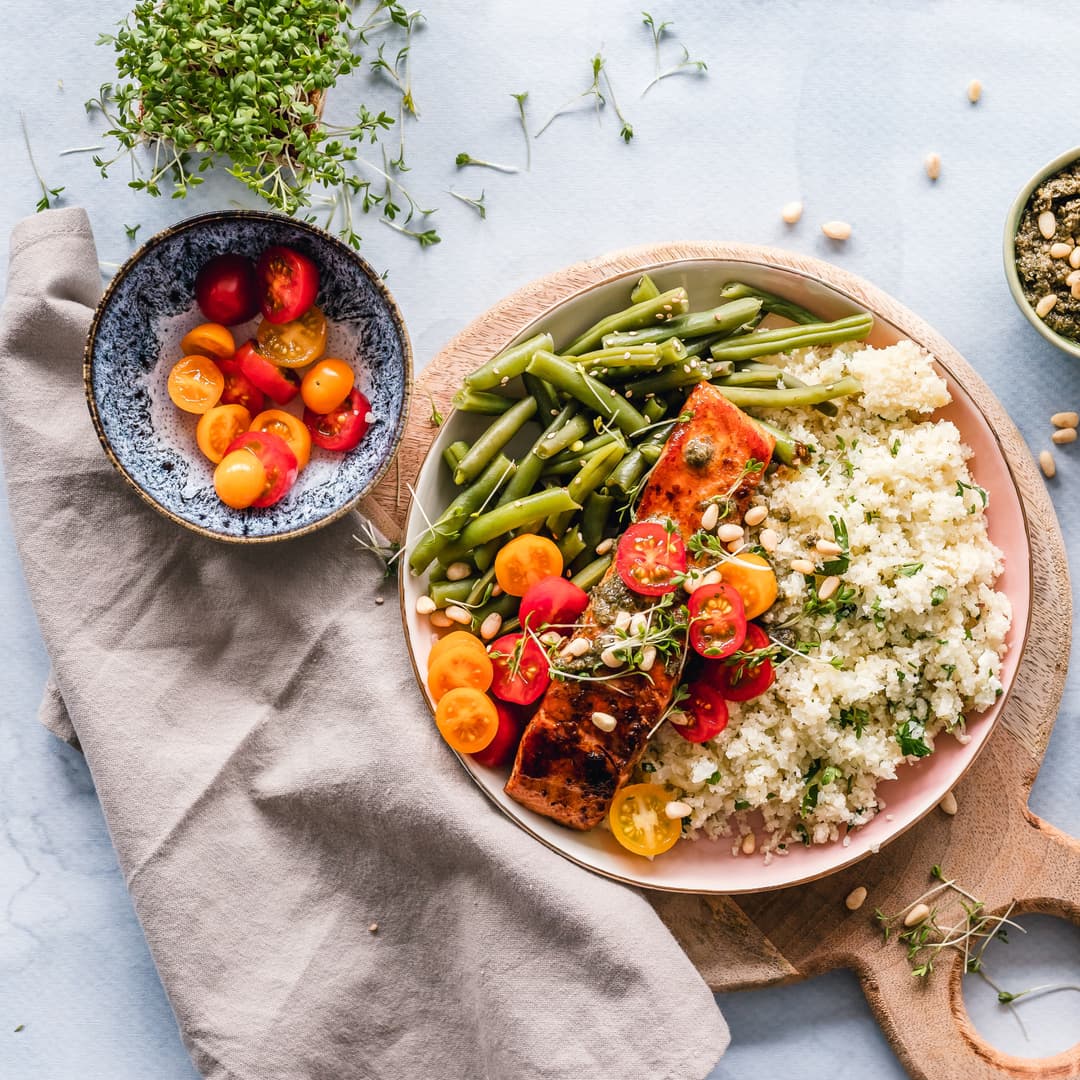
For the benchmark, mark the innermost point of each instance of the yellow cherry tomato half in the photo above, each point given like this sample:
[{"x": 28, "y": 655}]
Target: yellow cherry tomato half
[
  {"x": 459, "y": 665},
  {"x": 526, "y": 560},
  {"x": 210, "y": 339},
  {"x": 753, "y": 579},
  {"x": 456, "y": 637},
  {"x": 638, "y": 820},
  {"x": 218, "y": 427},
  {"x": 239, "y": 479},
  {"x": 293, "y": 344},
  {"x": 291, "y": 428},
  {"x": 467, "y": 719},
  {"x": 195, "y": 384},
  {"x": 327, "y": 385}
]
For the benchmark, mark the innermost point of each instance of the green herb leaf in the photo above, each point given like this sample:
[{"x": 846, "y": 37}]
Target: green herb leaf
[
  {"x": 938, "y": 595},
  {"x": 911, "y": 737},
  {"x": 909, "y": 569},
  {"x": 741, "y": 804}
]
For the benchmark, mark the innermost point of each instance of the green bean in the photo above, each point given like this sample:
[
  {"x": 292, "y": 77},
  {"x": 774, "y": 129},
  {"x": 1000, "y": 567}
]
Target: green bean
[
  {"x": 514, "y": 515},
  {"x": 493, "y": 440},
  {"x": 571, "y": 545},
  {"x": 561, "y": 470},
  {"x": 746, "y": 397},
  {"x": 531, "y": 465},
  {"x": 645, "y": 289},
  {"x": 500, "y": 605},
  {"x": 647, "y": 313},
  {"x": 593, "y": 574},
  {"x": 488, "y": 404},
  {"x": 777, "y": 305},
  {"x": 437, "y": 573},
  {"x": 625, "y": 477},
  {"x": 593, "y": 394},
  {"x": 722, "y": 319},
  {"x": 769, "y": 342},
  {"x": 612, "y": 363},
  {"x": 670, "y": 379},
  {"x": 787, "y": 450},
  {"x": 454, "y": 453},
  {"x": 594, "y": 518},
  {"x": 500, "y": 369},
  {"x": 589, "y": 448},
  {"x": 586, "y": 480},
  {"x": 445, "y": 593},
  {"x": 455, "y": 516},
  {"x": 574, "y": 430},
  {"x": 484, "y": 555},
  {"x": 703, "y": 344},
  {"x": 750, "y": 377},
  {"x": 651, "y": 452},
  {"x": 655, "y": 409},
  {"x": 672, "y": 351},
  {"x": 826, "y": 407},
  {"x": 546, "y": 398},
  {"x": 482, "y": 587}
]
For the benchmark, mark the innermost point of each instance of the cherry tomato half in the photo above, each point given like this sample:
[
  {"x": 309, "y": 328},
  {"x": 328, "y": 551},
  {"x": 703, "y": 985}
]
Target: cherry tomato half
[
  {"x": 503, "y": 747},
  {"x": 343, "y": 428},
  {"x": 753, "y": 579},
  {"x": 639, "y": 822},
  {"x": 552, "y": 602},
  {"x": 649, "y": 557},
  {"x": 209, "y": 339},
  {"x": 741, "y": 679},
  {"x": 195, "y": 384},
  {"x": 280, "y": 385},
  {"x": 289, "y": 427},
  {"x": 218, "y": 427},
  {"x": 327, "y": 385},
  {"x": 225, "y": 289},
  {"x": 288, "y": 282},
  {"x": 296, "y": 343},
  {"x": 717, "y": 621},
  {"x": 524, "y": 561},
  {"x": 239, "y": 389},
  {"x": 467, "y": 719},
  {"x": 521, "y": 669},
  {"x": 278, "y": 461},
  {"x": 455, "y": 637},
  {"x": 707, "y": 712},
  {"x": 239, "y": 479},
  {"x": 461, "y": 665}
]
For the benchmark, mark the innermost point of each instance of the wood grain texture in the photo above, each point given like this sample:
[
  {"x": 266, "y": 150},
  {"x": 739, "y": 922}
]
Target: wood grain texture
[{"x": 995, "y": 846}]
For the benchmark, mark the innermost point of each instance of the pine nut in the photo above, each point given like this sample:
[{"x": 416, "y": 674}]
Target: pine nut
[
  {"x": 710, "y": 517},
  {"x": 1065, "y": 419},
  {"x": 1074, "y": 258},
  {"x": 828, "y": 547},
  {"x": 496, "y": 590},
  {"x": 491, "y": 626},
  {"x": 692, "y": 581},
  {"x": 735, "y": 547},
  {"x": 1046, "y": 305},
  {"x": 425, "y": 605},
  {"x": 622, "y": 620},
  {"x": 755, "y": 515},
  {"x": 974, "y": 91},
  {"x": 1047, "y": 464},
  {"x": 552, "y": 637},
  {"x": 604, "y": 721},
  {"x": 749, "y": 844},
  {"x": 373, "y": 928},
  {"x": 1074, "y": 292},
  {"x": 638, "y": 623},
  {"x": 1061, "y": 250},
  {"x": 1047, "y": 224},
  {"x": 769, "y": 539},
  {"x": 836, "y": 230},
  {"x": 1064, "y": 435},
  {"x": 679, "y": 718},
  {"x": 916, "y": 915},
  {"x": 933, "y": 165},
  {"x": 610, "y": 658},
  {"x": 727, "y": 533},
  {"x": 439, "y": 619},
  {"x": 713, "y": 577},
  {"x": 605, "y": 546},
  {"x": 856, "y": 898},
  {"x": 676, "y": 810},
  {"x": 1072, "y": 277},
  {"x": 648, "y": 658},
  {"x": 577, "y": 647},
  {"x": 828, "y": 587},
  {"x": 948, "y": 804},
  {"x": 791, "y": 212},
  {"x": 458, "y": 614},
  {"x": 458, "y": 571},
  {"x": 802, "y": 566}
]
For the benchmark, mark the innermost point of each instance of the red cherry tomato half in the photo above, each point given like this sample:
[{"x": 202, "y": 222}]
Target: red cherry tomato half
[
  {"x": 277, "y": 459},
  {"x": 521, "y": 669},
  {"x": 740, "y": 679},
  {"x": 707, "y": 711},
  {"x": 280, "y": 385},
  {"x": 343, "y": 428},
  {"x": 288, "y": 283},
  {"x": 239, "y": 389},
  {"x": 552, "y": 602},
  {"x": 225, "y": 290},
  {"x": 649, "y": 557},
  {"x": 502, "y": 748},
  {"x": 717, "y": 621}
]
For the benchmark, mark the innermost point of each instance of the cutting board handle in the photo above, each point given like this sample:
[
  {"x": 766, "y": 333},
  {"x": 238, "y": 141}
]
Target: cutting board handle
[{"x": 925, "y": 1019}]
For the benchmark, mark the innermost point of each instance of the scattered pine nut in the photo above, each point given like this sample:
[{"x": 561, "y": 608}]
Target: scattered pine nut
[
  {"x": 1046, "y": 305},
  {"x": 828, "y": 587},
  {"x": 373, "y": 928},
  {"x": 802, "y": 566},
  {"x": 1074, "y": 258},
  {"x": 1046, "y": 463},
  {"x": 550, "y": 637},
  {"x": 1073, "y": 276},
  {"x": 610, "y": 658},
  {"x": 791, "y": 212},
  {"x": 1061, "y": 250},
  {"x": 676, "y": 810},
  {"x": 604, "y": 721},
  {"x": 735, "y": 547},
  {"x": 933, "y": 165},
  {"x": 710, "y": 517},
  {"x": 458, "y": 614},
  {"x": 425, "y": 605},
  {"x": 727, "y": 533},
  {"x": 856, "y": 898},
  {"x": 713, "y": 577},
  {"x": 458, "y": 571},
  {"x": 1047, "y": 224},
  {"x": 639, "y": 623},
  {"x": 836, "y": 230},
  {"x": 605, "y": 546},
  {"x": 828, "y": 547},
  {"x": 622, "y": 620},
  {"x": 974, "y": 91},
  {"x": 1065, "y": 419},
  {"x": 756, "y": 515},
  {"x": 749, "y": 844},
  {"x": 577, "y": 647},
  {"x": 491, "y": 626},
  {"x": 948, "y": 804},
  {"x": 1064, "y": 435},
  {"x": 439, "y": 619},
  {"x": 916, "y": 915},
  {"x": 769, "y": 539},
  {"x": 648, "y": 658},
  {"x": 1074, "y": 291}
]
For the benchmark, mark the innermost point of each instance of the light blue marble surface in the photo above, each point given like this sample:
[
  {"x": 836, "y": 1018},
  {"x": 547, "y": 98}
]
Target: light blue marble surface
[{"x": 834, "y": 103}]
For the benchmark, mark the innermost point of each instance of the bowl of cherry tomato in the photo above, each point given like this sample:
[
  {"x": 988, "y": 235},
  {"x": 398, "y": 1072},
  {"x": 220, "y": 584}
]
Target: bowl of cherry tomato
[{"x": 248, "y": 375}]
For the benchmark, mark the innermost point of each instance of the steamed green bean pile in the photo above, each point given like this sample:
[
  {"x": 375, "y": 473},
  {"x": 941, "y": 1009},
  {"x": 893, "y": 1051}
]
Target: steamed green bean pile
[{"x": 598, "y": 410}]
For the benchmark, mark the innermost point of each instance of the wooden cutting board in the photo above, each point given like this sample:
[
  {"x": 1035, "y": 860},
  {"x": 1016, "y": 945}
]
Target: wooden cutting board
[{"x": 994, "y": 846}]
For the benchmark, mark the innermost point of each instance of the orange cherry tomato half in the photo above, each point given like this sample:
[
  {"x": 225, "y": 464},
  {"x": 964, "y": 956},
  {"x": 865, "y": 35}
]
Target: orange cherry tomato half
[
  {"x": 649, "y": 557},
  {"x": 290, "y": 428},
  {"x": 467, "y": 719},
  {"x": 288, "y": 282},
  {"x": 293, "y": 344},
  {"x": 524, "y": 561},
  {"x": 195, "y": 384},
  {"x": 239, "y": 479},
  {"x": 752, "y": 577},
  {"x": 639, "y": 822},
  {"x": 457, "y": 637},
  {"x": 278, "y": 384},
  {"x": 327, "y": 385},
  {"x": 459, "y": 665},
  {"x": 218, "y": 427},
  {"x": 209, "y": 339},
  {"x": 278, "y": 462}
]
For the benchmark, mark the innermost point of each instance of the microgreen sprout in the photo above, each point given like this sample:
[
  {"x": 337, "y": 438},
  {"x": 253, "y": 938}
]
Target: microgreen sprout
[
  {"x": 131, "y": 230},
  {"x": 685, "y": 65},
  {"x": 425, "y": 237},
  {"x": 521, "y": 99},
  {"x": 593, "y": 93},
  {"x": 435, "y": 418},
  {"x": 386, "y": 551},
  {"x": 47, "y": 193},
  {"x": 627, "y": 130},
  {"x": 398, "y": 71},
  {"x": 464, "y": 160},
  {"x": 476, "y": 204},
  {"x": 79, "y": 150}
]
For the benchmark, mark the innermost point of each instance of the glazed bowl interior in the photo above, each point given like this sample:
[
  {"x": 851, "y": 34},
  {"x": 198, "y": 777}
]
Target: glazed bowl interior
[
  {"x": 135, "y": 340},
  {"x": 708, "y": 866}
]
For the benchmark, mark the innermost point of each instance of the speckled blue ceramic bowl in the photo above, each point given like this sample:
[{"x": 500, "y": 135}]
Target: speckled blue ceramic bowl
[{"x": 135, "y": 340}]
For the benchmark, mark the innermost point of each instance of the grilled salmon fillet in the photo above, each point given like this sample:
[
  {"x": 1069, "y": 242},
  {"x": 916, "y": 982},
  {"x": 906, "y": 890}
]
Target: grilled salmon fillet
[{"x": 566, "y": 767}]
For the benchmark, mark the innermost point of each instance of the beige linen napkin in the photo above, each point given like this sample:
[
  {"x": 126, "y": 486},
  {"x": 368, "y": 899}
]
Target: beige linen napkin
[{"x": 274, "y": 785}]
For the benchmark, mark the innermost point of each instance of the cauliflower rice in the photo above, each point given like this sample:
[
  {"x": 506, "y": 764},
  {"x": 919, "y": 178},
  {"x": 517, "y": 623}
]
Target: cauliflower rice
[{"x": 919, "y": 634}]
